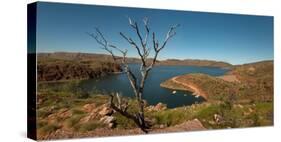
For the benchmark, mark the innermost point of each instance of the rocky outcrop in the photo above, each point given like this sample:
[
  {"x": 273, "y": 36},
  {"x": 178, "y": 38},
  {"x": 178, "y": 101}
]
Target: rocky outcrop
[
  {"x": 103, "y": 113},
  {"x": 218, "y": 118},
  {"x": 89, "y": 107},
  {"x": 110, "y": 121},
  {"x": 191, "y": 125},
  {"x": 158, "y": 107},
  {"x": 61, "y": 114},
  {"x": 106, "y": 111}
]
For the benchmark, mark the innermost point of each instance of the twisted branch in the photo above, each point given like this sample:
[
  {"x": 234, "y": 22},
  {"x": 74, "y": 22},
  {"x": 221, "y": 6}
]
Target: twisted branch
[{"x": 143, "y": 53}]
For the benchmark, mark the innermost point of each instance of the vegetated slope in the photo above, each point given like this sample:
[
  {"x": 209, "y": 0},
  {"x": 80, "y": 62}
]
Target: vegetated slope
[
  {"x": 213, "y": 88},
  {"x": 70, "y": 112},
  {"x": 66, "y": 113},
  {"x": 104, "y": 57},
  {"x": 54, "y": 67},
  {"x": 255, "y": 83},
  {"x": 196, "y": 62},
  {"x": 74, "y": 56},
  {"x": 259, "y": 74},
  {"x": 233, "y": 104}
]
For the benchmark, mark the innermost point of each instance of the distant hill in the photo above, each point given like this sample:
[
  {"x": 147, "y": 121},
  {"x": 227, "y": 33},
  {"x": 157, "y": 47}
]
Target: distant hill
[
  {"x": 73, "y": 56},
  {"x": 70, "y": 66},
  {"x": 82, "y": 56},
  {"x": 104, "y": 57},
  {"x": 194, "y": 62}
]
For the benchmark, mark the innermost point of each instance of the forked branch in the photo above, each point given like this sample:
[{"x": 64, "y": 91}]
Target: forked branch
[{"x": 143, "y": 51}]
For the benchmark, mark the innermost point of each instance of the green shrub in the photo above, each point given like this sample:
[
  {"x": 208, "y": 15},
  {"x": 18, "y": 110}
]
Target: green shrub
[
  {"x": 77, "y": 111},
  {"x": 171, "y": 117},
  {"x": 208, "y": 112},
  {"x": 73, "y": 120},
  {"x": 123, "y": 122},
  {"x": 89, "y": 126}
]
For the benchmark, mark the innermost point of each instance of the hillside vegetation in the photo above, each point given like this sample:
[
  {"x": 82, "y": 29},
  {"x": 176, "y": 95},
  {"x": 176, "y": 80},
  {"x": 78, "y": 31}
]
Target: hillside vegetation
[
  {"x": 67, "y": 67},
  {"x": 192, "y": 62},
  {"x": 244, "y": 103},
  {"x": 67, "y": 110},
  {"x": 255, "y": 83}
]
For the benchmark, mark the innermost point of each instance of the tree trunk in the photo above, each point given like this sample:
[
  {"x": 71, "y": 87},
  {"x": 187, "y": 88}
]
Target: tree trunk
[{"x": 138, "y": 87}]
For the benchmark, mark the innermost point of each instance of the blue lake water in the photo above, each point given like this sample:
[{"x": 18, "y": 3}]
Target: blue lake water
[{"x": 153, "y": 93}]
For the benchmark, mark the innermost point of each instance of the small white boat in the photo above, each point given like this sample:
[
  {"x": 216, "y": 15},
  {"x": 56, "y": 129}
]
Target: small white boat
[{"x": 174, "y": 92}]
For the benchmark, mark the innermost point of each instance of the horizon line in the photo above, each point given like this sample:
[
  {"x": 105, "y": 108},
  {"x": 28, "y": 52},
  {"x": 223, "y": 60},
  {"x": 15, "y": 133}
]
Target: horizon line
[{"x": 201, "y": 59}]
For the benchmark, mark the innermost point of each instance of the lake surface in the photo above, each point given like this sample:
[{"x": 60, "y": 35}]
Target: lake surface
[{"x": 153, "y": 93}]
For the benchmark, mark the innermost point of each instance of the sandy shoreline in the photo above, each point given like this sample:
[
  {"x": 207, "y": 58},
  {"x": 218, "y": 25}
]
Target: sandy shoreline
[
  {"x": 193, "y": 88},
  {"x": 187, "y": 86}
]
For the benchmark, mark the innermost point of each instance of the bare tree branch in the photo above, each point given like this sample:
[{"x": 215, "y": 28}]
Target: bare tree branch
[
  {"x": 134, "y": 45},
  {"x": 105, "y": 45},
  {"x": 146, "y": 49},
  {"x": 138, "y": 87},
  {"x": 169, "y": 35},
  {"x": 119, "y": 109},
  {"x": 132, "y": 23},
  {"x": 156, "y": 48},
  {"x": 123, "y": 111},
  {"x": 143, "y": 41},
  {"x": 102, "y": 41},
  {"x": 145, "y": 22}
]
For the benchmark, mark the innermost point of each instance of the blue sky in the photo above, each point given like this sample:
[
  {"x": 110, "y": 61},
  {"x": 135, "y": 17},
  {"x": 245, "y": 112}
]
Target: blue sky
[{"x": 236, "y": 39}]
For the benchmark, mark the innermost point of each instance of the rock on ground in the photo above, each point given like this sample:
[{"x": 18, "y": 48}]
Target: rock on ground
[{"x": 192, "y": 125}]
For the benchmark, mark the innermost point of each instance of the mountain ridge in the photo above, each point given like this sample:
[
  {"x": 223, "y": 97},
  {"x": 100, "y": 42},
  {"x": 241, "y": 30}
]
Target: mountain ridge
[{"x": 106, "y": 57}]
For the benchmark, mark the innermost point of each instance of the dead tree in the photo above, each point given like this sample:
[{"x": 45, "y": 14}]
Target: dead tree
[{"x": 143, "y": 51}]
